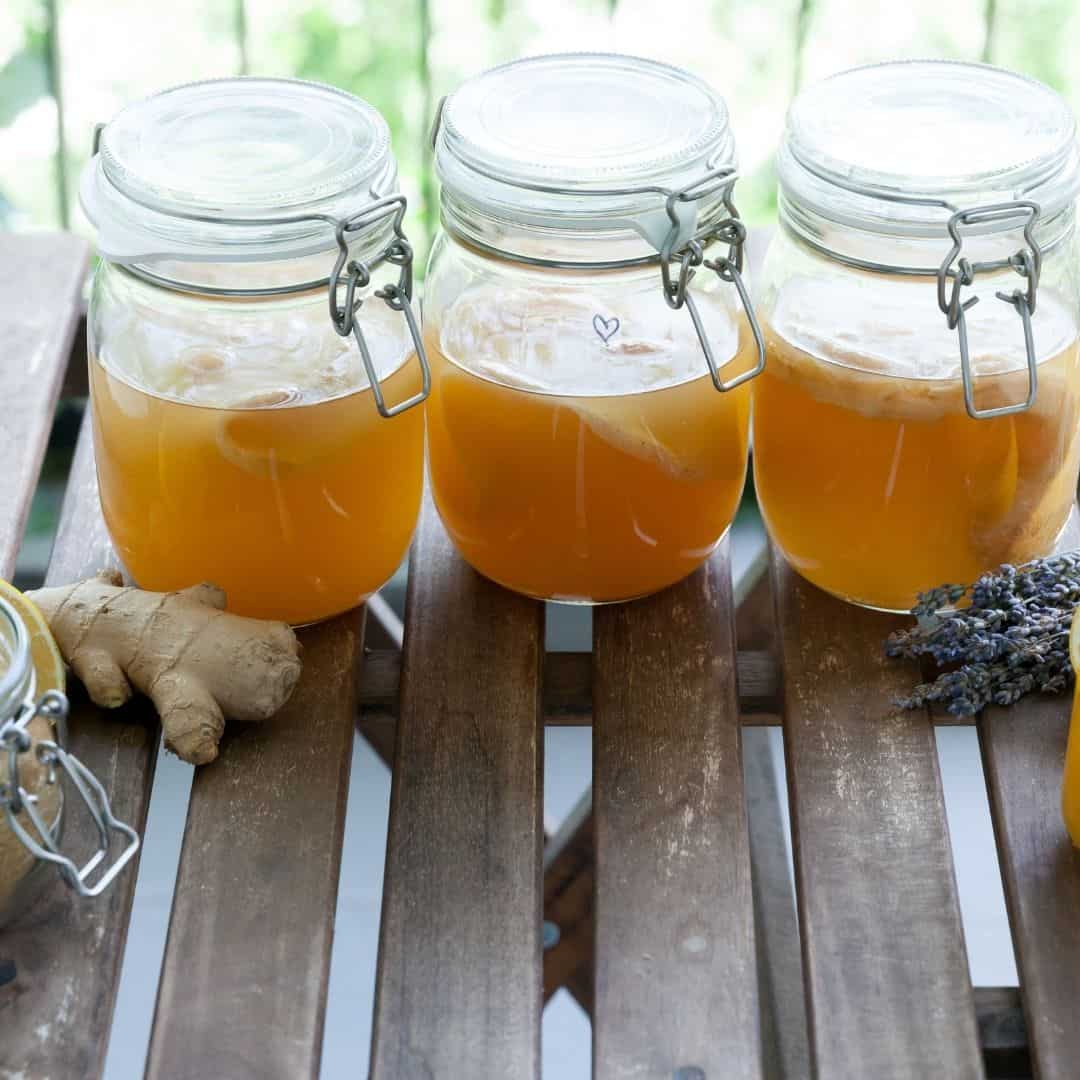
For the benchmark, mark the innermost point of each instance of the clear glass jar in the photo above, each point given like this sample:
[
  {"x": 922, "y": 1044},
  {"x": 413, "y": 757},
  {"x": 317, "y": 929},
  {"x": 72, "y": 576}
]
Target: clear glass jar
[
  {"x": 33, "y": 762},
  {"x": 589, "y": 413},
  {"x": 248, "y": 432},
  {"x": 904, "y": 436}
]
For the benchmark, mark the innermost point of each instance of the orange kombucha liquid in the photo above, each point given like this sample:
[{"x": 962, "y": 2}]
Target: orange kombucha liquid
[
  {"x": 873, "y": 480},
  {"x": 569, "y": 468},
  {"x": 274, "y": 478}
]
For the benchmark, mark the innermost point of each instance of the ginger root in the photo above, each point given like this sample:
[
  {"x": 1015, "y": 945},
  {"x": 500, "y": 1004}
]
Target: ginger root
[{"x": 196, "y": 662}]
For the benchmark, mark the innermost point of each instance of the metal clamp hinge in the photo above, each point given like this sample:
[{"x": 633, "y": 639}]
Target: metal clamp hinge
[
  {"x": 37, "y": 836},
  {"x": 1027, "y": 262},
  {"x": 730, "y": 231},
  {"x": 397, "y": 296}
]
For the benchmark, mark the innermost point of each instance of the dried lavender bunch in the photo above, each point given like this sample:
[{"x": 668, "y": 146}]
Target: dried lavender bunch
[{"x": 1011, "y": 639}]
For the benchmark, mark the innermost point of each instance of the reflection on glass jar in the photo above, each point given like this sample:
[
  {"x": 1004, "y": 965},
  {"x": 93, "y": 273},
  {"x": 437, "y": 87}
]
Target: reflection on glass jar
[
  {"x": 877, "y": 476},
  {"x": 237, "y": 434},
  {"x": 579, "y": 449}
]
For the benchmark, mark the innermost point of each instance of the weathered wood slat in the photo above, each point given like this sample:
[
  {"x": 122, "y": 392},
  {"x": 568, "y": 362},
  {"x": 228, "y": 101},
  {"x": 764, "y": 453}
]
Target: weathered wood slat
[
  {"x": 243, "y": 983},
  {"x": 41, "y": 280},
  {"x": 569, "y": 877},
  {"x": 884, "y": 960},
  {"x": 567, "y": 698},
  {"x": 676, "y": 979},
  {"x": 1023, "y": 754},
  {"x": 1023, "y": 749},
  {"x": 458, "y": 990},
  {"x": 56, "y": 1014}
]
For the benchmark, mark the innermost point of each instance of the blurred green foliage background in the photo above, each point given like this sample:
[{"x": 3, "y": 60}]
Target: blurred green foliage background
[{"x": 67, "y": 64}]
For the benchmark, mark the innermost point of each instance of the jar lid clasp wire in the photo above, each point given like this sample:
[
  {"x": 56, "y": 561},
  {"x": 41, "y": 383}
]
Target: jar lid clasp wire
[
  {"x": 40, "y": 839},
  {"x": 397, "y": 296},
  {"x": 1027, "y": 262},
  {"x": 729, "y": 230}
]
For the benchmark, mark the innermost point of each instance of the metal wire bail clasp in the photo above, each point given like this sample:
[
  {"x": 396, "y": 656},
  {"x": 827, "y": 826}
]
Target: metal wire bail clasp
[
  {"x": 1027, "y": 262},
  {"x": 727, "y": 267},
  {"x": 37, "y": 836},
  {"x": 397, "y": 296}
]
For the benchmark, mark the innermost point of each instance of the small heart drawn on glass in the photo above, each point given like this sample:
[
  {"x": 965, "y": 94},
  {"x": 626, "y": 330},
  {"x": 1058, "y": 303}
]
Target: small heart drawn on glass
[{"x": 605, "y": 329}]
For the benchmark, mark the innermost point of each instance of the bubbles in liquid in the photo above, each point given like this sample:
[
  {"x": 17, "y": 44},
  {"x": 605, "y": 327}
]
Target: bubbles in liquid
[
  {"x": 248, "y": 356},
  {"x": 581, "y": 343}
]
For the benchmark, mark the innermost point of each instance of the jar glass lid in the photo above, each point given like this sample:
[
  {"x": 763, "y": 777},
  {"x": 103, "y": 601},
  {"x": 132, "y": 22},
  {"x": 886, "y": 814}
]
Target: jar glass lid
[
  {"x": 897, "y": 148},
  {"x": 582, "y": 142},
  {"x": 235, "y": 169}
]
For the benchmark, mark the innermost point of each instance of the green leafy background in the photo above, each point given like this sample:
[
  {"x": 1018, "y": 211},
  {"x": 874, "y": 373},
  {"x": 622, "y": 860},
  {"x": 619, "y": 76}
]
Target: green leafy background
[{"x": 67, "y": 64}]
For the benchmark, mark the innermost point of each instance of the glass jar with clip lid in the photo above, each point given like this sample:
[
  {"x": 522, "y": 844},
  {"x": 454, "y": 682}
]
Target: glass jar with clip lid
[
  {"x": 245, "y": 434},
  {"x": 590, "y": 333},
  {"x": 919, "y": 419},
  {"x": 37, "y": 775}
]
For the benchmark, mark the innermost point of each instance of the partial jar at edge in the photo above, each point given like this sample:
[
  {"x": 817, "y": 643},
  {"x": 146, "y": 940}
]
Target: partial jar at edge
[
  {"x": 579, "y": 449},
  {"x": 875, "y": 480},
  {"x": 237, "y": 436}
]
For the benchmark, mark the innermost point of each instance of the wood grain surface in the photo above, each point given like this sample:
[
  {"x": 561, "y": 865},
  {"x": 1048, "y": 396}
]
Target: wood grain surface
[
  {"x": 567, "y": 694},
  {"x": 458, "y": 992},
  {"x": 676, "y": 978},
  {"x": 41, "y": 281},
  {"x": 57, "y": 1013},
  {"x": 886, "y": 971},
  {"x": 1023, "y": 750},
  {"x": 243, "y": 982},
  {"x": 1023, "y": 753}
]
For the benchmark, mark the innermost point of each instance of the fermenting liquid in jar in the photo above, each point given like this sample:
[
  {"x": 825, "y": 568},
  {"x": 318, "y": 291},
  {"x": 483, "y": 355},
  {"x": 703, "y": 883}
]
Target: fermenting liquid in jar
[
  {"x": 261, "y": 463},
  {"x": 917, "y": 421},
  {"x": 899, "y": 488},
  {"x": 569, "y": 467},
  {"x": 590, "y": 335},
  {"x": 256, "y": 369}
]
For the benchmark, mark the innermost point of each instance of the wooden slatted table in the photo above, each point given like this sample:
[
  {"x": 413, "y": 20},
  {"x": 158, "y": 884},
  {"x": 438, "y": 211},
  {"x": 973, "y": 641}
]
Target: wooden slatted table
[{"x": 671, "y": 919}]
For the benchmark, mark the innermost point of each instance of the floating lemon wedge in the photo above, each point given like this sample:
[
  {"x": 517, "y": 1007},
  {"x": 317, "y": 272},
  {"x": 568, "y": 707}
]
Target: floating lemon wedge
[
  {"x": 1070, "y": 794},
  {"x": 273, "y": 431}
]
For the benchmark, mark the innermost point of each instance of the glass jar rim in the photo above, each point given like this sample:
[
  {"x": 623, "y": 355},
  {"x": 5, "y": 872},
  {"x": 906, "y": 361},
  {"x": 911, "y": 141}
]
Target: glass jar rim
[
  {"x": 17, "y": 678},
  {"x": 506, "y": 154},
  {"x": 898, "y": 148},
  {"x": 241, "y": 169}
]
